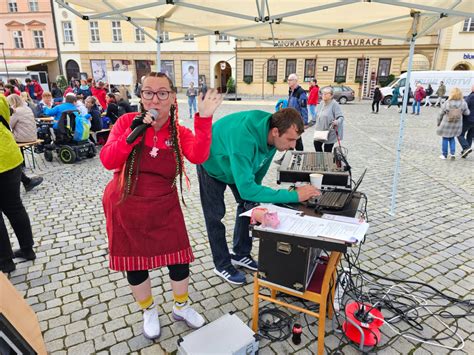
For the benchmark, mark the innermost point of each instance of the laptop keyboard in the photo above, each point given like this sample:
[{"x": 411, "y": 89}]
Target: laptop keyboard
[{"x": 333, "y": 198}]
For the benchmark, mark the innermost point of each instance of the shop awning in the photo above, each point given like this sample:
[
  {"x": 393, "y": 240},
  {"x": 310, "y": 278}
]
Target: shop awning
[{"x": 21, "y": 65}]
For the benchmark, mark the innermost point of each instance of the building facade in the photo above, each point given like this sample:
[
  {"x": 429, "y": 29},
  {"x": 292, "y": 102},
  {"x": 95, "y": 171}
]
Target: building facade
[
  {"x": 95, "y": 48},
  {"x": 456, "y": 47},
  {"x": 28, "y": 38}
]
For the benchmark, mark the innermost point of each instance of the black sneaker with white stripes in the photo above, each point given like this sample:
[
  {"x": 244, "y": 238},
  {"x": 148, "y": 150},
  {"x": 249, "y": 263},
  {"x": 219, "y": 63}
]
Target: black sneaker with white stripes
[
  {"x": 230, "y": 274},
  {"x": 244, "y": 261}
]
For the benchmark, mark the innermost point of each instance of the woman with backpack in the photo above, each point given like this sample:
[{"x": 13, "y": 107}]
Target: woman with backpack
[
  {"x": 450, "y": 122},
  {"x": 376, "y": 100}
]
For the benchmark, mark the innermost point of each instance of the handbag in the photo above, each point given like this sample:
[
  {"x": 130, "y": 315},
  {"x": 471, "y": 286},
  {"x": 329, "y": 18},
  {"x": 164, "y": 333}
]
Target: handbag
[{"x": 321, "y": 135}]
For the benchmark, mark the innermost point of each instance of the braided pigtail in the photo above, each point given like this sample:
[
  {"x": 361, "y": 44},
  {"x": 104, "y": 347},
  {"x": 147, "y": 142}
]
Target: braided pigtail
[{"x": 180, "y": 168}]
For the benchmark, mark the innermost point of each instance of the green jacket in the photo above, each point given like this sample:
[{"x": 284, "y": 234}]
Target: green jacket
[
  {"x": 10, "y": 155},
  {"x": 240, "y": 155}
]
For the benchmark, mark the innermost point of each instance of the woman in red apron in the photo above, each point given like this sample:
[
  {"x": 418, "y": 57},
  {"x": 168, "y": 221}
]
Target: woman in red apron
[{"x": 145, "y": 224}]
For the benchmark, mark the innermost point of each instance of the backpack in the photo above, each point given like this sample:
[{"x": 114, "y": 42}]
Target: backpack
[
  {"x": 454, "y": 114},
  {"x": 82, "y": 130}
]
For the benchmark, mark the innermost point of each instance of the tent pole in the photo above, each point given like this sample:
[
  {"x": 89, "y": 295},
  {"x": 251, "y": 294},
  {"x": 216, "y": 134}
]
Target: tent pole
[
  {"x": 402, "y": 127},
  {"x": 158, "y": 45}
]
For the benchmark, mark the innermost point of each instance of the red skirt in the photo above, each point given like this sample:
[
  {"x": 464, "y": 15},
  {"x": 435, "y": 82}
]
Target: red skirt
[{"x": 147, "y": 230}]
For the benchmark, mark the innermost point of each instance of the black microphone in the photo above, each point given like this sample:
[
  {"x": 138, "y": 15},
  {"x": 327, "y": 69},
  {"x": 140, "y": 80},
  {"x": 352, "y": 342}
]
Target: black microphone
[{"x": 139, "y": 130}]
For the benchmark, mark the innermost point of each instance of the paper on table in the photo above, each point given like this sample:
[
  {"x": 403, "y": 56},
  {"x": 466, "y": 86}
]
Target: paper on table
[
  {"x": 315, "y": 228},
  {"x": 272, "y": 208}
]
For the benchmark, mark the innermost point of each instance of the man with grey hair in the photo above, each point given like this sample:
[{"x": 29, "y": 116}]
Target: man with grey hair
[{"x": 298, "y": 99}]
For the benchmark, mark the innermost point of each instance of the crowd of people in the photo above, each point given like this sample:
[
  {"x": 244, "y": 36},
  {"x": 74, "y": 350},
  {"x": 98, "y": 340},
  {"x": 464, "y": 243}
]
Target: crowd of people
[{"x": 144, "y": 221}]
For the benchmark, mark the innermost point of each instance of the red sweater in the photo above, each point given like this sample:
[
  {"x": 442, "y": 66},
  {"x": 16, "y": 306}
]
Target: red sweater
[
  {"x": 101, "y": 95},
  {"x": 313, "y": 95},
  {"x": 194, "y": 147}
]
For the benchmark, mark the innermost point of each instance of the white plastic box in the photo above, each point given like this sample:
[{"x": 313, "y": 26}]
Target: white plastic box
[{"x": 227, "y": 335}]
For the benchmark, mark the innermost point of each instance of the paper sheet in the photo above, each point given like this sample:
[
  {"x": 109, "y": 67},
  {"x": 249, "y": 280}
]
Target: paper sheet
[{"x": 338, "y": 228}]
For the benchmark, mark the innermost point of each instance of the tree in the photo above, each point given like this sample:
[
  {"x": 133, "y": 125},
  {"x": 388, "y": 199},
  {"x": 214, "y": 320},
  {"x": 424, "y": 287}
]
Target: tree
[
  {"x": 61, "y": 82},
  {"x": 230, "y": 86}
]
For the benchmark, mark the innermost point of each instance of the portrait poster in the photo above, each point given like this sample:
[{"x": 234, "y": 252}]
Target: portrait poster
[
  {"x": 119, "y": 65},
  {"x": 190, "y": 72},
  {"x": 167, "y": 67},
  {"x": 99, "y": 70},
  {"x": 83, "y": 76}
]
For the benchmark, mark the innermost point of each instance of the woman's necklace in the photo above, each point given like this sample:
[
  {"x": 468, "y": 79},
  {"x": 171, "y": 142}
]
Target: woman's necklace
[{"x": 154, "y": 149}]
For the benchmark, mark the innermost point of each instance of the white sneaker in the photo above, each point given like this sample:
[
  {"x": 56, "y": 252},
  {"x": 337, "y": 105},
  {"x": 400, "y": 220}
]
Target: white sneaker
[
  {"x": 151, "y": 324},
  {"x": 192, "y": 318},
  {"x": 451, "y": 156},
  {"x": 442, "y": 157}
]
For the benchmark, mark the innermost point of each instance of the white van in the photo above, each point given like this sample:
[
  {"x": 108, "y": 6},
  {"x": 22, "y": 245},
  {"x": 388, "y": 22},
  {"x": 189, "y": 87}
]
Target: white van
[
  {"x": 40, "y": 76},
  {"x": 458, "y": 78}
]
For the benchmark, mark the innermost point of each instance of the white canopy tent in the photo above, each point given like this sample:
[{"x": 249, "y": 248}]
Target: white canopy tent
[{"x": 271, "y": 20}]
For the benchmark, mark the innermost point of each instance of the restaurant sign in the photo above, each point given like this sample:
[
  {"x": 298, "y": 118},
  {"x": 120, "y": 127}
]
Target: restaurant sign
[{"x": 347, "y": 42}]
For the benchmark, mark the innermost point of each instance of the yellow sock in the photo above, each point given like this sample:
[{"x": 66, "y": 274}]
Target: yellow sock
[
  {"x": 180, "y": 300},
  {"x": 146, "y": 303}
]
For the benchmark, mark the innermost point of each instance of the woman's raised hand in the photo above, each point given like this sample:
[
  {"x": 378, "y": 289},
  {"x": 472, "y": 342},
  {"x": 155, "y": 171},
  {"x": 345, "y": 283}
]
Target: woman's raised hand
[{"x": 208, "y": 105}]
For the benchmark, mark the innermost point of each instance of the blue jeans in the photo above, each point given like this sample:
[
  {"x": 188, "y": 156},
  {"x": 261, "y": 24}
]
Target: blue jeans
[
  {"x": 213, "y": 206},
  {"x": 452, "y": 146},
  {"x": 416, "y": 104},
  {"x": 312, "y": 112},
  {"x": 465, "y": 138},
  {"x": 192, "y": 105}
]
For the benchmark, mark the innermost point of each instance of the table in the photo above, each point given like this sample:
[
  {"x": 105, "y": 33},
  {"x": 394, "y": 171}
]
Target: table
[{"x": 322, "y": 286}]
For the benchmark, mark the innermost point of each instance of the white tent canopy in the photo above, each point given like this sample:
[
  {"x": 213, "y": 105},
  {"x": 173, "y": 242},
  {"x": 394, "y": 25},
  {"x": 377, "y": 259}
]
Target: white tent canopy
[
  {"x": 271, "y": 20},
  {"x": 280, "y": 19}
]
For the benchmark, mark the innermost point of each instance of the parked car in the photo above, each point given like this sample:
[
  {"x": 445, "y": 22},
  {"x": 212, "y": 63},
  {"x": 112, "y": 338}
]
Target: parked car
[{"x": 342, "y": 93}]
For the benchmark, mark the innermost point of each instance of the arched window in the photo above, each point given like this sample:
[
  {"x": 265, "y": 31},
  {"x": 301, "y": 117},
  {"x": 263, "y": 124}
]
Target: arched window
[{"x": 72, "y": 69}]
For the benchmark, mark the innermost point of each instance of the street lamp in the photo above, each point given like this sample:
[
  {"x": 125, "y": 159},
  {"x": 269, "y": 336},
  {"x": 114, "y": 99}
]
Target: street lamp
[{"x": 5, "y": 60}]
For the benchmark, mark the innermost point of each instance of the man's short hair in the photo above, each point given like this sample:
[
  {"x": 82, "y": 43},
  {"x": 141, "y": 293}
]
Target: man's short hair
[
  {"x": 285, "y": 119},
  {"x": 71, "y": 98},
  {"x": 27, "y": 80}
]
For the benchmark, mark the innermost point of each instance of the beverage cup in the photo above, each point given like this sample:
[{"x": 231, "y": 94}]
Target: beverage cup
[{"x": 316, "y": 180}]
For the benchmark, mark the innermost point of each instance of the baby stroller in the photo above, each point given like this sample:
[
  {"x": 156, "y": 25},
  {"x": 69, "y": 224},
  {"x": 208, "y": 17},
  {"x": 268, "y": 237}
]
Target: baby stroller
[{"x": 71, "y": 139}]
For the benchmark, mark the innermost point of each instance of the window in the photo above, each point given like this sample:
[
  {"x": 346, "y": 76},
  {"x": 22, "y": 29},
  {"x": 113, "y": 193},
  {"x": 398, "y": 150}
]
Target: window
[
  {"x": 222, "y": 38},
  {"x": 384, "y": 70},
  {"x": 248, "y": 70},
  {"x": 67, "y": 32},
  {"x": 290, "y": 67},
  {"x": 360, "y": 68},
  {"x": 468, "y": 25},
  {"x": 309, "y": 69},
  {"x": 189, "y": 37},
  {"x": 272, "y": 70},
  {"x": 12, "y": 6},
  {"x": 94, "y": 31},
  {"x": 165, "y": 37},
  {"x": 33, "y": 5},
  {"x": 341, "y": 70},
  {"x": 18, "y": 39},
  {"x": 38, "y": 39},
  {"x": 139, "y": 35},
  {"x": 116, "y": 31}
]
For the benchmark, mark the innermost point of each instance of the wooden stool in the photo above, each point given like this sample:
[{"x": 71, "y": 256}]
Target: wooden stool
[
  {"x": 322, "y": 286},
  {"x": 30, "y": 146}
]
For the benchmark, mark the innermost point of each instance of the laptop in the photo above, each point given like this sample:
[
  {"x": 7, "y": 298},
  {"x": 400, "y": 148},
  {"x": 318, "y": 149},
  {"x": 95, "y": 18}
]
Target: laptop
[{"x": 337, "y": 199}]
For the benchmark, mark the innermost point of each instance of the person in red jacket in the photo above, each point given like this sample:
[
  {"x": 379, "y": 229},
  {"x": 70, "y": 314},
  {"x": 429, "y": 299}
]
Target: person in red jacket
[
  {"x": 418, "y": 96},
  {"x": 34, "y": 89},
  {"x": 145, "y": 224},
  {"x": 313, "y": 101},
  {"x": 100, "y": 93}
]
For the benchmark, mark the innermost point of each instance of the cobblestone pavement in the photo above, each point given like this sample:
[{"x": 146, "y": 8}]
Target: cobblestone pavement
[{"x": 83, "y": 307}]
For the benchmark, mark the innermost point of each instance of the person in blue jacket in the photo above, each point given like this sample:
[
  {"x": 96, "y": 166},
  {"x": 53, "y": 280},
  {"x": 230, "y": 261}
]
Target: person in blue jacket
[
  {"x": 58, "y": 110},
  {"x": 298, "y": 100}
]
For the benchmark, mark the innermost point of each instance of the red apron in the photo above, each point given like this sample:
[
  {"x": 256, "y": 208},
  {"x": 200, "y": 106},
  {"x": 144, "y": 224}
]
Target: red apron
[{"x": 147, "y": 230}]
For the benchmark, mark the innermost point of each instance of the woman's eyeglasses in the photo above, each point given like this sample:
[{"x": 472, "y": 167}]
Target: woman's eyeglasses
[{"x": 161, "y": 95}]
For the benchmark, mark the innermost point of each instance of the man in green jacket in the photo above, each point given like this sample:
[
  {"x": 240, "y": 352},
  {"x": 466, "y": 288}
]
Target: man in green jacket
[{"x": 242, "y": 149}]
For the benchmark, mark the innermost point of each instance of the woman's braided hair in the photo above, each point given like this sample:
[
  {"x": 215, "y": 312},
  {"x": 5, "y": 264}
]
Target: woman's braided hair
[{"x": 130, "y": 172}]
